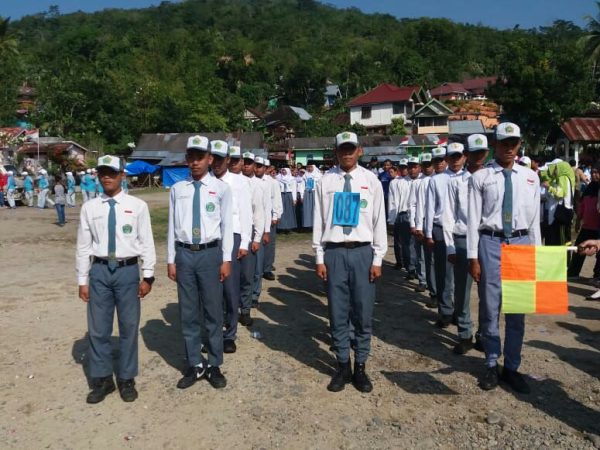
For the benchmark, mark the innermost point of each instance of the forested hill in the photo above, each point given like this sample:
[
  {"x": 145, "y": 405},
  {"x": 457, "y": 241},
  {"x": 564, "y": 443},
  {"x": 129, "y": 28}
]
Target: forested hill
[{"x": 195, "y": 65}]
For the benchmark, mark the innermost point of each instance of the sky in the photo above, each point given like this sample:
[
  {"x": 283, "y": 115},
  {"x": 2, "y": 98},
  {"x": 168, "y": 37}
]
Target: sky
[{"x": 498, "y": 14}]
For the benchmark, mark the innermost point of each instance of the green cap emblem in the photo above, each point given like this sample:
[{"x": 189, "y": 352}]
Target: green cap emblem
[
  {"x": 196, "y": 141},
  {"x": 346, "y": 136},
  {"x": 107, "y": 160},
  {"x": 127, "y": 229},
  {"x": 478, "y": 141},
  {"x": 218, "y": 145},
  {"x": 210, "y": 207},
  {"x": 509, "y": 129}
]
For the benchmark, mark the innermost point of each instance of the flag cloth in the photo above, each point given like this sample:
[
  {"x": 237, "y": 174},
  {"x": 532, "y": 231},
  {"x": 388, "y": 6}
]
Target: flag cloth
[{"x": 534, "y": 279}]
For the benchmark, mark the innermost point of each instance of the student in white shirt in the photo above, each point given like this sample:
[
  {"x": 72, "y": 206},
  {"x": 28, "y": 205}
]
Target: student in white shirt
[
  {"x": 114, "y": 235},
  {"x": 396, "y": 196},
  {"x": 504, "y": 208},
  {"x": 199, "y": 248},
  {"x": 350, "y": 241},
  {"x": 264, "y": 180},
  {"x": 277, "y": 211},
  {"x": 242, "y": 233}
]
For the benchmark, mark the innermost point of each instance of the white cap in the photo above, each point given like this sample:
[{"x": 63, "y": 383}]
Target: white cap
[
  {"x": 235, "y": 151},
  {"x": 113, "y": 162},
  {"x": 267, "y": 162},
  {"x": 87, "y": 171},
  {"x": 403, "y": 162},
  {"x": 426, "y": 157},
  {"x": 43, "y": 172},
  {"x": 259, "y": 160},
  {"x": 438, "y": 152},
  {"x": 346, "y": 137},
  {"x": 10, "y": 172},
  {"x": 525, "y": 161},
  {"x": 508, "y": 130},
  {"x": 477, "y": 142},
  {"x": 197, "y": 143},
  {"x": 24, "y": 173},
  {"x": 413, "y": 160},
  {"x": 455, "y": 147},
  {"x": 248, "y": 155},
  {"x": 219, "y": 148}
]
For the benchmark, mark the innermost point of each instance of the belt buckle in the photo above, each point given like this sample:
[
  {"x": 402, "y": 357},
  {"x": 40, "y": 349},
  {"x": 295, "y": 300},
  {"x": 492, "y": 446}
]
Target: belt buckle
[{"x": 195, "y": 247}]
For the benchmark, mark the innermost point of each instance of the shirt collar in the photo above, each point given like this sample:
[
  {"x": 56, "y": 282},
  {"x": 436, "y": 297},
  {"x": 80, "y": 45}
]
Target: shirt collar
[
  {"x": 498, "y": 168},
  {"x": 203, "y": 180},
  {"x": 117, "y": 198}
]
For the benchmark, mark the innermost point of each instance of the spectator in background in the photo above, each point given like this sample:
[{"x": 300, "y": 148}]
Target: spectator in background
[
  {"x": 588, "y": 214},
  {"x": 60, "y": 199},
  {"x": 374, "y": 165},
  {"x": 385, "y": 178},
  {"x": 560, "y": 187},
  {"x": 3, "y": 180}
]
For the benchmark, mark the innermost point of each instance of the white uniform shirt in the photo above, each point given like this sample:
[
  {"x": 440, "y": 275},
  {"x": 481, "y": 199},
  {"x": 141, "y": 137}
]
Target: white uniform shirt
[
  {"x": 258, "y": 207},
  {"x": 216, "y": 216},
  {"x": 276, "y": 202},
  {"x": 242, "y": 207},
  {"x": 420, "y": 202},
  {"x": 486, "y": 192},
  {"x": 371, "y": 224},
  {"x": 415, "y": 183},
  {"x": 436, "y": 197},
  {"x": 300, "y": 187},
  {"x": 133, "y": 233},
  {"x": 398, "y": 197},
  {"x": 454, "y": 217},
  {"x": 267, "y": 203}
]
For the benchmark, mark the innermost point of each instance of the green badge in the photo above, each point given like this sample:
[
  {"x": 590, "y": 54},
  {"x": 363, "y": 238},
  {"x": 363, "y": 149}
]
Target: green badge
[
  {"x": 346, "y": 136},
  {"x": 478, "y": 141},
  {"x": 127, "y": 229},
  {"x": 363, "y": 203},
  {"x": 509, "y": 129},
  {"x": 196, "y": 231},
  {"x": 218, "y": 145},
  {"x": 210, "y": 207},
  {"x": 106, "y": 160}
]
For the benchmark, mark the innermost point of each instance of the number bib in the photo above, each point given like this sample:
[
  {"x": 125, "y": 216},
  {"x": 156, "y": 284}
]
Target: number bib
[
  {"x": 346, "y": 209},
  {"x": 310, "y": 184}
]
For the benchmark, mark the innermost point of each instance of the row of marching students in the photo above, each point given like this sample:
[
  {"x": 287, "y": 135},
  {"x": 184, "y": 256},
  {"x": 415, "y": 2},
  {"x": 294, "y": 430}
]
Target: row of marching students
[{"x": 451, "y": 214}]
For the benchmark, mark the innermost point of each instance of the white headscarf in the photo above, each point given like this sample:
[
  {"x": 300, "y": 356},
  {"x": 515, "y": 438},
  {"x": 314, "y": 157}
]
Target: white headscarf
[
  {"x": 316, "y": 173},
  {"x": 286, "y": 180}
]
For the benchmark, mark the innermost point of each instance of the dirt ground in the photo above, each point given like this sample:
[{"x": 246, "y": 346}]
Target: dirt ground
[{"x": 276, "y": 397}]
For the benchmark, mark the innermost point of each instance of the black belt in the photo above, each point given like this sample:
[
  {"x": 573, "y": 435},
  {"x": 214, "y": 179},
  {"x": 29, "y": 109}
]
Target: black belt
[
  {"x": 403, "y": 212},
  {"x": 500, "y": 234},
  {"x": 331, "y": 245},
  {"x": 198, "y": 247},
  {"x": 120, "y": 262},
  {"x": 460, "y": 236},
  {"x": 437, "y": 225}
]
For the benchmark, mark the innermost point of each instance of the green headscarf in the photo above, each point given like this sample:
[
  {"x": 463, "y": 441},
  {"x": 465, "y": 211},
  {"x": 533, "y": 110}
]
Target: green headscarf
[{"x": 561, "y": 169}]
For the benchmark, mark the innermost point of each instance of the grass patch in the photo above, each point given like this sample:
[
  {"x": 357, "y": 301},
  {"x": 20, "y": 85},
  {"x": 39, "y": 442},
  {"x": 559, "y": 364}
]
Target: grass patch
[
  {"x": 146, "y": 190},
  {"x": 160, "y": 223}
]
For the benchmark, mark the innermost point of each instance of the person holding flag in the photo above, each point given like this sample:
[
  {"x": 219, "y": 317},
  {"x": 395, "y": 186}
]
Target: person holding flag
[{"x": 504, "y": 209}]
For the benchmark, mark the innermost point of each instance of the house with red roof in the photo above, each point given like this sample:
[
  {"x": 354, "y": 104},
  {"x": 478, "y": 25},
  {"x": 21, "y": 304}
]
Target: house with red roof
[{"x": 376, "y": 108}]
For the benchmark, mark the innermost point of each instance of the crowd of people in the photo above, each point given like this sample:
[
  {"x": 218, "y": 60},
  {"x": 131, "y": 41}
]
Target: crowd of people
[{"x": 449, "y": 211}]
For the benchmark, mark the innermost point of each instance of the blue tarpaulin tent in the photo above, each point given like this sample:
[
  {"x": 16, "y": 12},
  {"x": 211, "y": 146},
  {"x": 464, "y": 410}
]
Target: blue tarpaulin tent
[
  {"x": 140, "y": 167},
  {"x": 173, "y": 174}
]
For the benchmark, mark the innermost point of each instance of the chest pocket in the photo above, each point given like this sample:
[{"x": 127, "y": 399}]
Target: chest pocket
[
  {"x": 211, "y": 206},
  {"x": 127, "y": 225},
  {"x": 366, "y": 201},
  {"x": 491, "y": 193}
]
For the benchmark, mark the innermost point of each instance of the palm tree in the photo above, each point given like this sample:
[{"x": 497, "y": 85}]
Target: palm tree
[
  {"x": 591, "y": 41},
  {"x": 8, "y": 44}
]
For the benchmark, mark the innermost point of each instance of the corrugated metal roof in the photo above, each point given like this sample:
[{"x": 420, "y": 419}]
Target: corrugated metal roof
[
  {"x": 582, "y": 129},
  {"x": 385, "y": 93},
  {"x": 177, "y": 142},
  {"x": 466, "y": 127},
  {"x": 302, "y": 113},
  {"x": 149, "y": 154},
  {"x": 433, "y": 108},
  {"x": 448, "y": 88}
]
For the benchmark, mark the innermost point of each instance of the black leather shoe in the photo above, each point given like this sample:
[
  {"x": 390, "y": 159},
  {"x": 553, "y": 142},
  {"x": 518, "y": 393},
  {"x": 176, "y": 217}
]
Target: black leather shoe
[
  {"x": 360, "y": 380},
  {"x": 490, "y": 379},
  {"x": 515, "y": 380},
  {"x": 463, "y": 346},
  {"x": 127, "y": 390},
  {"x": 229, "y": 346},
  {"x": 192, "y": 375},
  {"x": 443, "y": 322},
  {"x": 269, "y": 276},
  {"x": 398, "y": 266},
  {"x": 254, "y": 304},
  {"x": 341, "y": 377},
  {"x": 478, "y": 345},
  {"x": 101, "y": 387},
  {"x": 245, "y": 319},
  {"x": 421, "y": 288},
  {"x": 432, "y": 302},
  {"x": 215, "y": 377},
  {"x": 411, "y": 276}
]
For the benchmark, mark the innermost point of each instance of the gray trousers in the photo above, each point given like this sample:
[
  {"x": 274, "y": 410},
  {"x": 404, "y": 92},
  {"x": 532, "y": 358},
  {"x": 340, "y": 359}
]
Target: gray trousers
[
  {"x": 350, "y": 298},
  {"x": 247, "y": 270},
  {"x": 231, "y": 292},
  {"x": 409, "y": 257},
  {"x": 269, "y": 258},
  {"x": 490, "y": 301},
  {"x": 109, "y": 291},
  {"x": 462, "y": 289},
  {"x": 398, "y": 240},
  {"x": 444, "y": 274},
  {"x": 258, "y": 273},
  {"x": 200, "y": 302},
  {"x": 42, "y": 198}
]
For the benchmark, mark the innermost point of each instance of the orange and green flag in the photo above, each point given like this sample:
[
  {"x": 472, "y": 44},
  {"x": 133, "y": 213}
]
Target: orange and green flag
[{"x": 534, "y": 279}]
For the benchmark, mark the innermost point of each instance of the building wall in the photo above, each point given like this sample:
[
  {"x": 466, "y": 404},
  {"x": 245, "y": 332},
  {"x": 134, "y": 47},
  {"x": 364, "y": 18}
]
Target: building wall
[
  {"x": 380, "y": 114},
  {"x": 433, "y": 130},
  {"x": 302, "y": 156}
]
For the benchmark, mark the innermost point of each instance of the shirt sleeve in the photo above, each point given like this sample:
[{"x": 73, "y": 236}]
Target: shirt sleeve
[
  {"x": 474, "y": 217},
  {"x": 429, "y": 209},
  {"x": 171, "y": 228},
  {"x": 412, "y": 204},
  {"x": 380, "y": 240},
  {"x": 267, "y": 204},
  {"x": 226, "y": 223},
  {"x": 535, "y": 235},
  {"x": 277, "y": 201},
  {"x": 449, "y": 217},
  {"x": 392, "y": 206},
  {"x": 420, "y": 206},
  {"x": 146, "y": 239},
  {"x": 84, "y": 248},
  {"x": 318, "y": 224},
  {"x": 245, "y": 214},
  {"x": 258, "y": 213}
]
